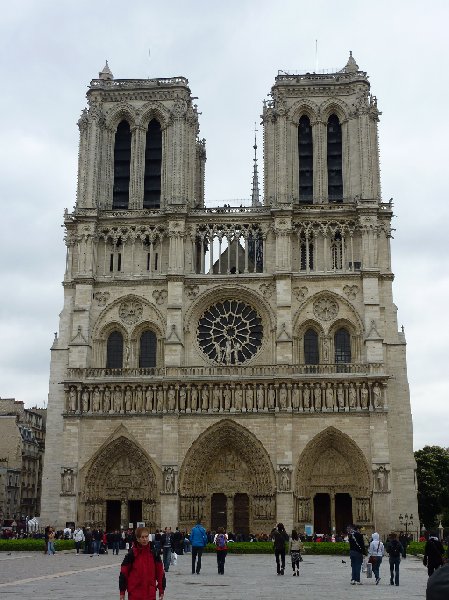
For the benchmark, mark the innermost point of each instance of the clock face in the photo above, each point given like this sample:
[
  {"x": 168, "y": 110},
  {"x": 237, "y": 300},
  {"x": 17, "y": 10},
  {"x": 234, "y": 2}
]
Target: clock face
[{"x": 230, "y": 332}]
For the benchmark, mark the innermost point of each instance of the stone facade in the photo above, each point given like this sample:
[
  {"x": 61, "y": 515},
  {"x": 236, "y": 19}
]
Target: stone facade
[{"x": 239, "y": 364}]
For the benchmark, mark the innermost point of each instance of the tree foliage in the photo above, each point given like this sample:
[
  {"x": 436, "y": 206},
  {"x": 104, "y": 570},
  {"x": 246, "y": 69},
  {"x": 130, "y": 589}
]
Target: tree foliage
[{"x": 433, "y": 484}]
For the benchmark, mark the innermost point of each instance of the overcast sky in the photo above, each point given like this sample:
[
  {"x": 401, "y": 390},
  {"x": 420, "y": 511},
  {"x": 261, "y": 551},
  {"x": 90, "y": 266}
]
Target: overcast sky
[{"x": 230, "y": 52}]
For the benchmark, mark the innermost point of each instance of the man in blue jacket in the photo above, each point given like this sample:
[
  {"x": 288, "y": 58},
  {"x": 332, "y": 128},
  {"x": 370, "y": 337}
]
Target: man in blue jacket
[{"x": 198, "y": 539}]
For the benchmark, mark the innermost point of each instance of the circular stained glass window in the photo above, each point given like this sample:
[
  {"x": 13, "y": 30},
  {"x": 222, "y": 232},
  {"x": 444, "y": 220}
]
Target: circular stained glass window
[{"x": 230, "y": 332}]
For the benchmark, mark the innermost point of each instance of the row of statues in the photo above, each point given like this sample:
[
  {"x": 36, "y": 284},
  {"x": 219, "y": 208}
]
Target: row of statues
[{"x": 315, "y": 396}]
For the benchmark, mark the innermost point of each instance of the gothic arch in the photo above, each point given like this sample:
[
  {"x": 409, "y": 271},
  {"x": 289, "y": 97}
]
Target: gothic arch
[
  {"x": 154, "y": 110},
  {"x": 303, "y": 107},
  {"x": 334, "y": 106},
  {"x": 122, "y": 112},
  {"x": 332, "y": 458}
]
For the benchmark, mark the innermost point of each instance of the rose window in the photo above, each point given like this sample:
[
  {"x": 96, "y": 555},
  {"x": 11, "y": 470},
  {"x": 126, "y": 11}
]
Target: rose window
[{"x": 230, "y": 332}]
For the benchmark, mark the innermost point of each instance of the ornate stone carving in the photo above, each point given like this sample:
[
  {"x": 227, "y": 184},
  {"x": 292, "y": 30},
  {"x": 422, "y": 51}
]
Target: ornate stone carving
[
  {"x": 192, "y": 291},
  {"x": 67, "y": 481},
  {"x": 130, "y": 311},
  {"x": 351, "y": 291},
  {"x": 381, "y": 479},
  {"x": 363, "y": 510},
  {"x": 300, "y": 292},
  {"x": 102, "y": 298},
  {"x": 170, "y": 480},
  {"x": 160, "y": 296},
  {"x": 284, "y": 478},
  {"x": 267, "y": 289},
  {"x": 325, "y": 308}
]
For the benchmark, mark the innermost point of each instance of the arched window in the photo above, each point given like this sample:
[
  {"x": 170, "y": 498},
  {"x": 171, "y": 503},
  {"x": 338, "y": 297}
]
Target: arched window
[
  {"x": 337, "y": 252},
  {"x": 114, "y": 359},
  {"x": 148, "y": 346},
  {"x": 342, "y": 343},
  {"x": 122, "y": 162},
  {"x": 311, "y": 352},
  {"x": 153, "y": 166},
  {"x": 306, "y": 254},
  {"x": 334, "y": 160},
  {"x": 305, "y": 155}
]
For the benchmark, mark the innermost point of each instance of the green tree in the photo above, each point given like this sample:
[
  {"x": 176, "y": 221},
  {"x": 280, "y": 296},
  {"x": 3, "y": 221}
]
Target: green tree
[{"x": 432, "y": 473}]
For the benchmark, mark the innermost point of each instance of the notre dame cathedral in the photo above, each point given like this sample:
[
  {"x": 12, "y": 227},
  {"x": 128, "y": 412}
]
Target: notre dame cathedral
[{"x": 241, "y": 364}]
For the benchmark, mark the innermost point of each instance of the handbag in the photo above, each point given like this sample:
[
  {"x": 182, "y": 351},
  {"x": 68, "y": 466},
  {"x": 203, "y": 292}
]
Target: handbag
[
  {"x": 369, "y": 570},
  {"x": 173, "y": 558},
  {"x": 372, "y": 560}
]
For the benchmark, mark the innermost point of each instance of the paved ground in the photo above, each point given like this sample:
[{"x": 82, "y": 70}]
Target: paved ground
[{"x": 249, "y": 577}]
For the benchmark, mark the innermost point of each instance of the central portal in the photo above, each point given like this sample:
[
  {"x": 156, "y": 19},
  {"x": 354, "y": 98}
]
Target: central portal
[{"x": 218, "y": 511}]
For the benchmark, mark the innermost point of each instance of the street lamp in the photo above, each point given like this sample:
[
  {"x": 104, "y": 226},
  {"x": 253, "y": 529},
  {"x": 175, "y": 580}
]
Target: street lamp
[{"x": 405, "y": 521}]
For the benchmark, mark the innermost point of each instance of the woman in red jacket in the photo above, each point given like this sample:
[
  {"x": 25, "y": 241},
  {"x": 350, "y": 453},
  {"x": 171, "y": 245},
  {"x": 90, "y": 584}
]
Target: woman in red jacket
[{"x": 142, "y": 572}]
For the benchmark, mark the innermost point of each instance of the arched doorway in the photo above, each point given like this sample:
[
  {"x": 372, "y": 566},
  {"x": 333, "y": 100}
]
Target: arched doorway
[
  {"x": 333, "y": 485},
  {"x": 120, "y": 487},
  {"x": 227, "y": 477}
]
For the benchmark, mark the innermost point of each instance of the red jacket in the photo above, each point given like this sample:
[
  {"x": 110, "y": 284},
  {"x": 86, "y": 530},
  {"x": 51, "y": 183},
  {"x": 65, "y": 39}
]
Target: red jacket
[{"x": 142, "y": 573}]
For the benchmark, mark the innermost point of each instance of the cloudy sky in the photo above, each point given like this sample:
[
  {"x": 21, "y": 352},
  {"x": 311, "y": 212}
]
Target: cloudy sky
[{"x": 230, "y": 52}]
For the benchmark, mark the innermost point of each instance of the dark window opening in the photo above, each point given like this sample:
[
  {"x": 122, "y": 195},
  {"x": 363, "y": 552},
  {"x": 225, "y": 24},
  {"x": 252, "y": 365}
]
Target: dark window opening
[
  {"x": 147, "y": 355},
  {"x": 153, "y": 166},
  {"x": 122, "y": 162},
  {"x": 305, "y": 156},
  {"x": 342, "y": 342},
  {"x": 111, "y": 263},
  {"x": 148, "y": 261},
  {"x": 114, "y": 359},
  {"x": 119, "y": 262},
  {"x": 334, "y": 160},
  {"x": 311, "y": 352},
  {"x": 156, "y": 257},
  {"x": 303, "y": 257}
]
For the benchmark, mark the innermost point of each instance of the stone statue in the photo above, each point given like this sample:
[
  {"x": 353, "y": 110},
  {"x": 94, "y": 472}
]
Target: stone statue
[
  {"x": 216, "y": 398},
  {"x": 128, "y": 400},
  {"x": 118, "y": 398},
  {"x": 228, "y": 352},
  {"x": 340, "y": 396},
  {"x": 67, "y": 481},
  {"x": 382, "y": 479},
  {"x": 85, "y": 400},
  {"x": 182, "y": 398},
  {"x": 283, "y": 397},
  {"x": 295, "y": 397},
  {"x": 271, "y": 397},
  {"x": 377, "y": 396},
  {"x": 194, "y": 398},
  {"x": 227, "y": 396},
  {"x": 205, "y": 398},
  {"x": 139, "y": 400},
  {"x": 149, "y": 399},
  {"x": 260, "y": 397},
  {"x": 160, "y": 399},
  {"x": 306, "y": 397},
  {"x": 284, "y": 480},
  {"x": 238, "y": 398},
  {"x": 364, "y": 397},
  {"x": 329, "y": 397},
  {"x": 317, "y": 397},
  {"x": 72, "y": 399},
  {"x": 171, "y": 398},
  {"x": 107, "y": 400},
  {"x": 170, "y": 481},
  {"x": 96, "y": 403},
  {"x": 249, "y": 397},
  {"x": 352, "y": 396}
]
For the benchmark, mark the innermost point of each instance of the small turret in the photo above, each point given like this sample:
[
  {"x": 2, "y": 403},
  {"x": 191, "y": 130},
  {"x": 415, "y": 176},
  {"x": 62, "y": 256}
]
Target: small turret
[{"x": 106, "y": 73}]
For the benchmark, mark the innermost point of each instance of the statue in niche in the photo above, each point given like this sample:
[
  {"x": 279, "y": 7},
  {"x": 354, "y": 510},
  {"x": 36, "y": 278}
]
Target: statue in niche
[
  {"x": 128, "y": 400},
  {"x": 228, "y": 352},
  {"x": 160, "y": 399},
  {"x": 238, "y": 397},
  {"x": 284, "y": 483},
  {"x": 317, "y": 396},
  {"x": 118, "y": 397},
  {"x": 249, "y": 397},
  {"x": 260, "y": 396},
  {"x": 149, "y": 399},
  {"x": 85, "y": 400},
  {"x": 377, "y": 396},
  {"x": 107, "y": 400},
  {"x": 216, "y": 398},
  {"x": 364, "y": 397},
  {"x": 271, "y": 397},
  {"x": 363, "y": 509},
  {"x": 72, "y": 399},
  {"x": 227, "y": 396},
  {"x": 283, "y": 397},
  {"x": 306, "y": 397},
  {"x": 194, "y": 398},
  {"x": 295, "y": 397},
  {"x": 205, "y": 398},
  {"x": 139, "y": 400},
  {"x": 67, "y": 481},
  {"x": 182, "y": 398},
  {"x": 340, "y": 396},
  {"x": 170, "y": 480},
  {"x": 352, "y": 396},
  {"x": 96, "y": 403},
  {"x": 127, "y": 355},
  {"x": 326, "y": 351},
  {"x": 382, "y": 479},
  {"x": 329, "y": 397},
  {"x": 171, "y": 398}
]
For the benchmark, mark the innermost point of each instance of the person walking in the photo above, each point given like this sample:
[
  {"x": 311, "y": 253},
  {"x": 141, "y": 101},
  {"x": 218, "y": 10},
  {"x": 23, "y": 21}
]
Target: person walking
[
  {"x": 51, "y": 542},
  {"x": 78, "y": 536},
  {"x": 296, "y": 548},
  {"x": 438, "y": 584},
  {"x": 375, "y": 553},
  {"x": 96, "y": 541},
  {"x": 141, "y": 572},
  {"x": 221, "y": 545},
  {"x": 433, "y": 554},
  {"x": 167, "y": 547},
  {"x": 198, "y": 539},
  {"x": 357, "y": 550},
  {"x": 395, "y": 551},
  {"x": 279, "y": 537},
  {"x": 116, "y": 539}
]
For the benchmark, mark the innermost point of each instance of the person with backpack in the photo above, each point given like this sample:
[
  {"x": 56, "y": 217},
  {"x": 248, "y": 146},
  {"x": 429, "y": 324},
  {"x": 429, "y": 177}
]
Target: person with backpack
[
  {"x": 142, "y": 572},
  {"x": 221, "y": 546},
  {"x": 296, "y": 548},
  {"x": 375, "y": 553},
  {"x": 433, "y": 554},
  {"x": 357, "y": 550},
  {"x": 395, "y": 551},
  {"x": 198, "y": 539},
  {"x": 279, "y": 537}
]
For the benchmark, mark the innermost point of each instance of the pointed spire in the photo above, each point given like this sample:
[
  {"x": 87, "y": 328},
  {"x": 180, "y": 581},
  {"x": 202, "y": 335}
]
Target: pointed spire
[
  {"x": 351, "y": 66},
  {"x": 255, "y": 194},
  {"x": 106, "y": 73}
]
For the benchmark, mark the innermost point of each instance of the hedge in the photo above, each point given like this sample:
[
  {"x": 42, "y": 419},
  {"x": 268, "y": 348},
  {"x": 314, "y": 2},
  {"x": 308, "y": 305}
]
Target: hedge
[
  {"x": 33, "y": 545},
  {"x": 416, "y": 548}
]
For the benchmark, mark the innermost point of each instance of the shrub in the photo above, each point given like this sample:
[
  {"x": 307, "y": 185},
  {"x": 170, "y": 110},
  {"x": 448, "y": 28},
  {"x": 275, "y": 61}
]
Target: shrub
[{"x": 33, "y": 545}]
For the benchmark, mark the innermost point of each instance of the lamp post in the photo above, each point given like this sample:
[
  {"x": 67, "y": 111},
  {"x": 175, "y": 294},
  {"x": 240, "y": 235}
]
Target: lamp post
[{"x": 405, "y": 521}]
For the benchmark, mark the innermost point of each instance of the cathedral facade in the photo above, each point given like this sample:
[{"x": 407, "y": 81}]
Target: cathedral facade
[{"x": 238, "y": 364}]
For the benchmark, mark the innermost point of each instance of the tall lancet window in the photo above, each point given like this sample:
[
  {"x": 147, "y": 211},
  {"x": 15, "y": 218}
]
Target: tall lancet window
[
  {"x": 305, "y": 156},
  {"x": 114, "y": 355},
  {"x": 122, "y": 161},
  {"x": 334, "y": 160},
  {"x": 153, "y": 166}
]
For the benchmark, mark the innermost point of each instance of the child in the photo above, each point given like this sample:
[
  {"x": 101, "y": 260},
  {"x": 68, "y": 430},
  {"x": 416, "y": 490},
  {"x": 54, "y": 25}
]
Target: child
[{"x": 295, "y": 549}]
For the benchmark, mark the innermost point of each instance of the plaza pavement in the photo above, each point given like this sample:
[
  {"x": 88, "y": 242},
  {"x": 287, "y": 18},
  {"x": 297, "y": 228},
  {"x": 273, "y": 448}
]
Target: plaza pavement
[{"x": 27, "y": 576}]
